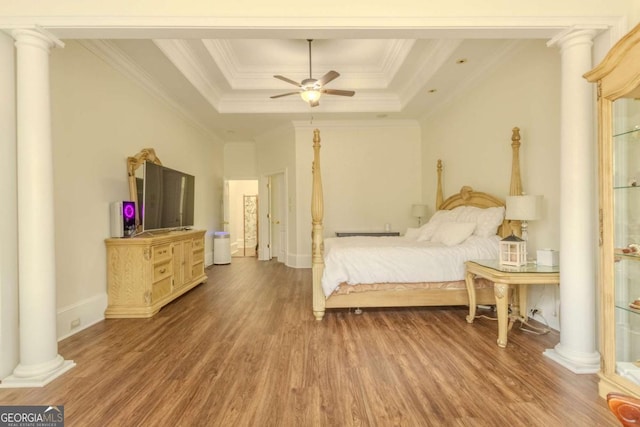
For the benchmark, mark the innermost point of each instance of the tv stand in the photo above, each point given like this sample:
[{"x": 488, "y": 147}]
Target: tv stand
[{"x": 145, "y": 273}]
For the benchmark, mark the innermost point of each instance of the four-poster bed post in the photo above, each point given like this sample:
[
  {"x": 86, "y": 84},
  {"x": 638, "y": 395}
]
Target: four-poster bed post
[{"x": 317, "y": 244}]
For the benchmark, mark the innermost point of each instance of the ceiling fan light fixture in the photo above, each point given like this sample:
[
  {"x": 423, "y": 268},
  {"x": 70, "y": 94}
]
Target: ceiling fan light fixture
[
  {"x": 310, "y": 95},
  {"x": 311, "y": 89}
]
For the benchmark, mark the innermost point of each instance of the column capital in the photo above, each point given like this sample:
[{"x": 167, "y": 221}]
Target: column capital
[
  {"x": 577, "y": 34},
  {"x": 38, "y": 37}
]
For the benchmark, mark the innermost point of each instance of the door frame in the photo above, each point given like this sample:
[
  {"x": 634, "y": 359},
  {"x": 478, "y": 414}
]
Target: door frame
[{"x": 265, "y": 210}]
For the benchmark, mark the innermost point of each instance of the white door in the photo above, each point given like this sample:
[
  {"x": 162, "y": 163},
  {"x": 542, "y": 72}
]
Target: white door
[
  {"x": 264, "y": 221},
  {"x": 274, "y": 215}
]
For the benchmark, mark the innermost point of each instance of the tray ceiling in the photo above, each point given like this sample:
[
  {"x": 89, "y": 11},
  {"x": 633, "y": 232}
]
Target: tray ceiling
[{"x": 224, "y": 85}]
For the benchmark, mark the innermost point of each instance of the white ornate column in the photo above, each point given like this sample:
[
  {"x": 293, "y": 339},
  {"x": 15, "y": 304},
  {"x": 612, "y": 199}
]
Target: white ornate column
[
  {"x": 577, "y": 349},
  {"x": 39, "y": 359},
  {"x": 9, "y": 355}
]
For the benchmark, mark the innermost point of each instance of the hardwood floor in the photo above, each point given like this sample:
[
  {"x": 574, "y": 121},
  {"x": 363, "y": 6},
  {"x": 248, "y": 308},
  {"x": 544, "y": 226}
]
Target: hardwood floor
[{"x": 245, "y": 350}]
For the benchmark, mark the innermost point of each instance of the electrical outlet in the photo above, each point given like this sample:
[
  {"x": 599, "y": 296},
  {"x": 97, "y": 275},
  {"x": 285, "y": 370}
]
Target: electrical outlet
[
  {"x": 75, "y": 323},
  {"x": 535, "y": 311}
]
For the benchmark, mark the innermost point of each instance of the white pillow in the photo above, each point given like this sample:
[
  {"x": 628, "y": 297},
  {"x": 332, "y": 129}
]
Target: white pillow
[
  {"x": 440, "y": 217},
  {"x": 467, "y": 213},
  {"x": 488, "y": 221},
  {"x": 412, "y": 233},
  {"x": 453, "y": 233}
]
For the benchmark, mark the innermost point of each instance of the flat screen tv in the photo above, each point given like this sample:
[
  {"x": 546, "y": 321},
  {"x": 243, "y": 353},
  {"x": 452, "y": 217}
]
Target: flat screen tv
[{"x": 167, "y": 198}]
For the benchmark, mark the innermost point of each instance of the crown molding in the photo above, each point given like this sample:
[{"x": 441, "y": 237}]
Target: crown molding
[
  {"x": 361, "y": 103},
  {"x": 431, "y": 62},
  {"x": 350, "y": 124},
  {"x": 241, "y": 77},
  {"x": 180, "y": 53},
  {"x": 396, "y": 56}
]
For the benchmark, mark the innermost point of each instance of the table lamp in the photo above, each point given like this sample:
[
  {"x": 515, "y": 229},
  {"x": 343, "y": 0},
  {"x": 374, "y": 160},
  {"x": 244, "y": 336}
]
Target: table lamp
[
  {"x": 419, "y": 211},
  {"x": 523, "y": 208}
]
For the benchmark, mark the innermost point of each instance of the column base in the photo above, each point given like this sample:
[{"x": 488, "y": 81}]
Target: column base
[
  {"x": 576, "y": 363},
  {"x": 15, "y": 381}
]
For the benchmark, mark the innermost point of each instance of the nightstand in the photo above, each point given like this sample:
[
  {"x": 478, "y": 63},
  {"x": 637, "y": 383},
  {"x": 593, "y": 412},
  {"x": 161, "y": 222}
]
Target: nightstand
[{"x": 503, "y": 277}]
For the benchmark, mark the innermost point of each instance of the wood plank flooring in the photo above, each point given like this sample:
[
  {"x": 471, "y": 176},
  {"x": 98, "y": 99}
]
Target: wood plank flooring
[{"x": 245, "y": 350}]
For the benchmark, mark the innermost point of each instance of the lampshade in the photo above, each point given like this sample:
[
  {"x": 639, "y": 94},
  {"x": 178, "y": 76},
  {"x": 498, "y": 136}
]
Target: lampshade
[
  {"x": 419, "y": 211},
  {"x": 524, "y": 208},
  {"x": 310, "y": 95}
]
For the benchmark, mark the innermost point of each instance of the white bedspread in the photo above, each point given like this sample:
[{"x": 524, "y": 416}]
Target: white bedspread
[{"x": 363, "y": 259}]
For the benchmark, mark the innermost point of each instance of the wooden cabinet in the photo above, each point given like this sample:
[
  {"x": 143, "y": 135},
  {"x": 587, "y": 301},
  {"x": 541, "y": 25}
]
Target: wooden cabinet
[
  {"x": 146, "y": 273},
  {"x": 618, "y": 80}
]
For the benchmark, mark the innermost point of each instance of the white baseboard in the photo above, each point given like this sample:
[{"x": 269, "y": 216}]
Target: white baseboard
[
  {"x": 81, "y": 314},
  {"x": 298, "y": 261}
]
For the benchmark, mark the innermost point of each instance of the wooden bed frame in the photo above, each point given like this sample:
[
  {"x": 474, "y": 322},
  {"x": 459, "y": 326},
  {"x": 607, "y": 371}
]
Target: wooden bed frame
[{"x": 405, "y": 297}]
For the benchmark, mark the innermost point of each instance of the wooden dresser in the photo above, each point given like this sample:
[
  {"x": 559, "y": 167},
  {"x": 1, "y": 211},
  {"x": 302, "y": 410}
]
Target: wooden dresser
[{"x": 146, "y": 273}]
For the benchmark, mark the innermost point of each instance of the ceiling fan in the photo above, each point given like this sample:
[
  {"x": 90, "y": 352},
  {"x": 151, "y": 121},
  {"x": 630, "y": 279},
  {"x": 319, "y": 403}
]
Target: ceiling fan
[{"x": 311, "y": 89}]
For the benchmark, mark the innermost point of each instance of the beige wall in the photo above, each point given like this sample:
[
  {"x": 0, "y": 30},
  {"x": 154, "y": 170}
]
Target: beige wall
[
  {"x": 100, "y": 118},
  {"x": 371, "y": 173},
  {"x": 473, "y": 135},
  {"x": 240, "y": 160},
  {"x": 473, "y": 138}
]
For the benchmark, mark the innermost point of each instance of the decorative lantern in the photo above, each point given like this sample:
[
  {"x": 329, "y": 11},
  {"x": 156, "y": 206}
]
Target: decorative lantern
[{"x": 513, "y": 251}]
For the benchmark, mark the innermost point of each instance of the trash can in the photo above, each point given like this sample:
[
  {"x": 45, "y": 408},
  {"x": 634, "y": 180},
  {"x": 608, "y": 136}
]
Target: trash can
[{"x": 221, "y": 248}]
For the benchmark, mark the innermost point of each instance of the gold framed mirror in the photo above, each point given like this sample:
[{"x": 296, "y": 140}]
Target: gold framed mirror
[{"x": 133, "y": 164}]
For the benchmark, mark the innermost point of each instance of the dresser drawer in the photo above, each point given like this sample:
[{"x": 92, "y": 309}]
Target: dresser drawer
[
  {"x": 198, "y": 256},
  {"x": 161, "y": 252},
  {"x": 197, "y": 269},
  {"x": 160, "y": 289},
  {"x": 198, "y": 243},
  {"x": 162, "y": 270}
]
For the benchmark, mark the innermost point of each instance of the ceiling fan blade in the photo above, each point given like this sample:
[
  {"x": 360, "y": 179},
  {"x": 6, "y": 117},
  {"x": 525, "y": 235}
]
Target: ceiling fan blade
[
  {"x": 284, "y": 94},
  {"x": 338, "y": 92},
  {"x": 285, "y": 79},
  {"x": 331, "y": 75}
]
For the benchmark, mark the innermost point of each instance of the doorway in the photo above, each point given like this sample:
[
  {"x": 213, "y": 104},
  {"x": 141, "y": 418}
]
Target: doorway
[
  {"x": 242, "y": 221},
  {"x": 250, "y": 225},
  {"x": 274, "y": 217}
]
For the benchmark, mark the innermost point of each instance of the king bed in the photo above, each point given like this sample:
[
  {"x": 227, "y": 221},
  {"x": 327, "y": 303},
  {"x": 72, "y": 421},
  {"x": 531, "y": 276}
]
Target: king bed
[{"x": 425, "y": 267}]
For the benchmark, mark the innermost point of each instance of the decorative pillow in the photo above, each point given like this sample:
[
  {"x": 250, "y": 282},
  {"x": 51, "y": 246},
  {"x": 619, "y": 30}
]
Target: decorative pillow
[
  {"x": 412, "y": 233},
  {"x": 488, "y": 221},
  {"x": 453, "y": 233},
  {"x": 440, "y": 217},
  {"x": 467, "y": 213}
]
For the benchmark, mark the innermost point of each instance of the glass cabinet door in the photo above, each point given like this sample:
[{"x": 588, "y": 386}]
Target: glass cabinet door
[{"x": 626, "y": 227}]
